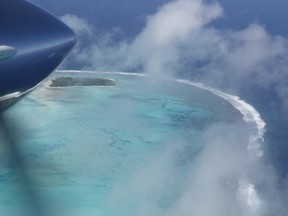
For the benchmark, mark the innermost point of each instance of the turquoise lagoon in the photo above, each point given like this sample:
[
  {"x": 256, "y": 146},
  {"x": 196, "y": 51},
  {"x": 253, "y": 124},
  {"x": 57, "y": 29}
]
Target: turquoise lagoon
[{"x": 128, "y": 149}]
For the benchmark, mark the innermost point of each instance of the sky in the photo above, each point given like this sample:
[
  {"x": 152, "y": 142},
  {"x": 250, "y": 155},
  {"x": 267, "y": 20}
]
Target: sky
[
  {"x": 237, "y": 46},
  {"x": 130, "y": 15}
]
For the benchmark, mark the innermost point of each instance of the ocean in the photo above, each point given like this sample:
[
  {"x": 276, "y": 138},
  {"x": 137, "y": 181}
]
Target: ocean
[{"x": 146, "y": 146}]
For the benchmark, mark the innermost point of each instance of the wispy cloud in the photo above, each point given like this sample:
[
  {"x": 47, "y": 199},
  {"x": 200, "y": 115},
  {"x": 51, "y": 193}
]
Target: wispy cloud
[
  {"x": 157, "y": 47},
  {"x": 218, "y": 181},
  {"x": 79, "y": 26}
]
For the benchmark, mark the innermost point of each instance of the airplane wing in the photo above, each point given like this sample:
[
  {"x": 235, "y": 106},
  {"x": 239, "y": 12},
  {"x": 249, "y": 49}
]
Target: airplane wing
[{"x": 32, "y": 44}]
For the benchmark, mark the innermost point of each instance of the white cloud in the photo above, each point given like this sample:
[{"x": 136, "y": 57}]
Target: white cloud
[
  {"x": 218, "y": 181},
  {"x": 175, "y": 21},
  {"x": 78, "y": 25},
  {"x": 157, "y": 48}
]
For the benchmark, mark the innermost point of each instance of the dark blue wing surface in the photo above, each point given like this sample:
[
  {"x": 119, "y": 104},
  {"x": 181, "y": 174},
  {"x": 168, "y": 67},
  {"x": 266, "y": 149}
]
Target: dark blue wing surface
[{"x": 37, "y": 41}]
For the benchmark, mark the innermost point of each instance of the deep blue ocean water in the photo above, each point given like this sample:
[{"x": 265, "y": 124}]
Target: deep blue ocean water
[
  {"x": 138, "y": 148},
  {"x": 270, "y": 106}
]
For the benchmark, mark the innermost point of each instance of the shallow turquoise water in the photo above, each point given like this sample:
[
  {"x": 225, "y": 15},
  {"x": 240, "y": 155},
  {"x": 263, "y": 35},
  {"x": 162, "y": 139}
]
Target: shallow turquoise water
[{"x": 85, "y": 147}]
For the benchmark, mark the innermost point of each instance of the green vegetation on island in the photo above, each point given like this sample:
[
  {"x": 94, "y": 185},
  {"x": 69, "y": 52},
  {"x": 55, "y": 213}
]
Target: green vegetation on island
[{"x": 71, "y": 81}]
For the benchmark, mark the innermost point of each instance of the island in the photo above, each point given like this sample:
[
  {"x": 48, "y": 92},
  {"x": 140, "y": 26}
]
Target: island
[{"x": 75, "y": 81}]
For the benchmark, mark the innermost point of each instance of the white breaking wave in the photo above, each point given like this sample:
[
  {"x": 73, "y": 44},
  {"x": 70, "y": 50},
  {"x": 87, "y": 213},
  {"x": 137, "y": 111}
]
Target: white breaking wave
[
  {"x": 250, "y": 116},
  {"x": 246, "y": 194},
  {"x": 103, "y": 72}
]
